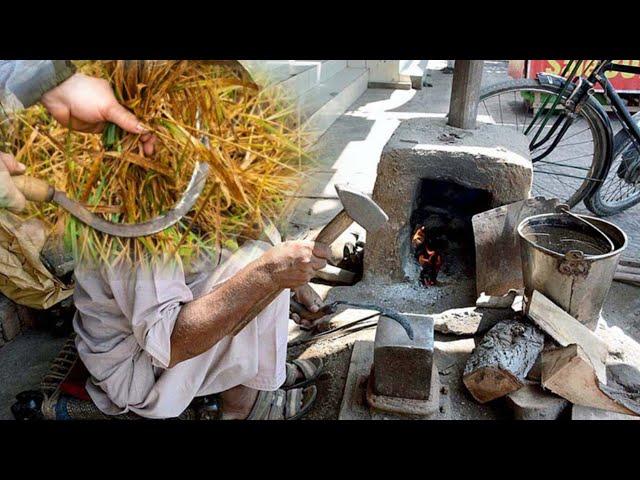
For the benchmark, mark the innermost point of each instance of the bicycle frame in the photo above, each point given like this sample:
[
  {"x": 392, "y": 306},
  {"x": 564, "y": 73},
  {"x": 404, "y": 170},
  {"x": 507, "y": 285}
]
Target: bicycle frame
[
  {"x": 610, "y": 92},
  {"x": 581, "y": 91}
]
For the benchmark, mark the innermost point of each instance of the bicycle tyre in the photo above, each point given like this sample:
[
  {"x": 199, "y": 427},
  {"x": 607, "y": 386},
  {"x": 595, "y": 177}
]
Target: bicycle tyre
[
  {"x": 595, "y": 203},
  {"x": 590, "y": 112}
]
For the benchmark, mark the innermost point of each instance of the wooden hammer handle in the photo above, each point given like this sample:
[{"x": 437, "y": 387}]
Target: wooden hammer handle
[
  {"x": 34, "y": 189},
  {"x": 334, "y": 228},
  {"x": 327, "y": 235}
]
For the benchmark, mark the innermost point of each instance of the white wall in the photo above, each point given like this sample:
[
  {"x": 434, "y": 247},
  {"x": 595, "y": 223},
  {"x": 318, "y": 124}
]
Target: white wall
[
  {"x": 392, "y": 71},
  {"x": 380, "y": 70}
]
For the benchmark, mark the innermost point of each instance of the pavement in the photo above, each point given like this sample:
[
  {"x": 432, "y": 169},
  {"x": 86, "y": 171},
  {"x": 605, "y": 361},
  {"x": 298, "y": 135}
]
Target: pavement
[
  {"x": 23, "y": 363},
  {"x": 349, "y": 152}
]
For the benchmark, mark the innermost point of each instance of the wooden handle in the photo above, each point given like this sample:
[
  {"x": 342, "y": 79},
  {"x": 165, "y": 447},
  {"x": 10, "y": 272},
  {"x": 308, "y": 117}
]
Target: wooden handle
[
  {"x": 327, "y": 235},
  {"x": 334, "y": 228},
  {"x": 624, "y": 276},
  {"x": 627, "y": 269},
  {"x": 34, "y": 189},
  {"x": 336, "y": 274}
]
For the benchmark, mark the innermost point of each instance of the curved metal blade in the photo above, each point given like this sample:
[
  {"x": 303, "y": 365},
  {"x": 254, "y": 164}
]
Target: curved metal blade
[{"x": 186, "y": 203}]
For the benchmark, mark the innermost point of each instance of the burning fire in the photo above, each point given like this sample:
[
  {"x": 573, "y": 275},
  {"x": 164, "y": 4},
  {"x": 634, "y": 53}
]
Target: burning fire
[{"x": 428, "y": 257}]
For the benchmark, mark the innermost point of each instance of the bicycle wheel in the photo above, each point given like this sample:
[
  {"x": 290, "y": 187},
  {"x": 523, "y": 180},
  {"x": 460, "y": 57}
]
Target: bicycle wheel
[
  {"x": 574, "y": 167},
  {"x": 621, "y": 188}
]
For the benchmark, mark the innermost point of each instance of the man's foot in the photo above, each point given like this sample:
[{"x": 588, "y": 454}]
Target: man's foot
[
  {"x": 242, "y": 403},
  {"x": 302, "y": 372},
  {"x": 283, "y": 404},
  {"x": 237, "y": 402}
]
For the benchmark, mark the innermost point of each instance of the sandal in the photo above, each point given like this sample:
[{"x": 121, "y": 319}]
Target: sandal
[
  {"x": 283, "y": 404},
  {"x": 310, "y": 369}
]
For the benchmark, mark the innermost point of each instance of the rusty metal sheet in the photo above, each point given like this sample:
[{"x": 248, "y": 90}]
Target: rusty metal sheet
[{"x": 498, "y": 261}]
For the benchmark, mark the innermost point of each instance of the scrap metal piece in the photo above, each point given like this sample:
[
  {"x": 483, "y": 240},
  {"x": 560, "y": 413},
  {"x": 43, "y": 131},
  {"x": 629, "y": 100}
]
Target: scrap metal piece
[
  {"x": 498, "y": 260},
  {"x": 384, "y": 312}
]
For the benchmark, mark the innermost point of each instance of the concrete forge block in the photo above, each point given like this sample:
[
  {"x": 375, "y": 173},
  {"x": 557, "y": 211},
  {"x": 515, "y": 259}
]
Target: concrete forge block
[
  {"x": 403, "y": 367},
  {"x": 492, "y": 158}
]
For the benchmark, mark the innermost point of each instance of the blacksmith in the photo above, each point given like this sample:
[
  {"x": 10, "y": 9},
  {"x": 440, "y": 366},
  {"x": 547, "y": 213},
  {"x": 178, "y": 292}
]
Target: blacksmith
[{"x": 154, "y": 339}]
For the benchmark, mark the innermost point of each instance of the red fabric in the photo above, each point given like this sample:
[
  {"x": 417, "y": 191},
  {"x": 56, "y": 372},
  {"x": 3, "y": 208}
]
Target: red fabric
[
  {"x": 75, "y": 390},
  {"x": 74, "y": 384}
]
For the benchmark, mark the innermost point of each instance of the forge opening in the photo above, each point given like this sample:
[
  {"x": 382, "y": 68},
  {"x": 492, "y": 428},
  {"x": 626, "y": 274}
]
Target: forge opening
[{"x": 441, "y": 241}]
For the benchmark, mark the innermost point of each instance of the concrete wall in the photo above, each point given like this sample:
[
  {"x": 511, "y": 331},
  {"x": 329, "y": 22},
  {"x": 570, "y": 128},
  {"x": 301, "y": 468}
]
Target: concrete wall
[
  {"x": 383, "y": 71},
  {"x": 394, "y": 73}
]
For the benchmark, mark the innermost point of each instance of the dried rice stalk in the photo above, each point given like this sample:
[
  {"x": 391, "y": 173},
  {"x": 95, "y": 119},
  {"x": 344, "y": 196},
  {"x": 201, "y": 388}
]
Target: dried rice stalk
[{"x": 200, "y": 111}]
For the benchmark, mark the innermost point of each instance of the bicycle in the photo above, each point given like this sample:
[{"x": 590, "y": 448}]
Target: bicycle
[{"x": 575, "y": 155}]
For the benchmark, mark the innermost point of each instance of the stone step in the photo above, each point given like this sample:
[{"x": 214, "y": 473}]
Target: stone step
[
  {"x": 271, "y": 72},
  {"x": 296, "y": 76},
  {"x": 319, "y": 71},
  {"x": 325, "y": 102},
  {"x": 323, "y": 89}
]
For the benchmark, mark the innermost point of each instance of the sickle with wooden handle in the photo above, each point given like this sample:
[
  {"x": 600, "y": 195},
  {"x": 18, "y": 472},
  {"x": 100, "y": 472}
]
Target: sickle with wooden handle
[
  {"x": 37, "y": 190},
  {"x": 357, "y": 207}
]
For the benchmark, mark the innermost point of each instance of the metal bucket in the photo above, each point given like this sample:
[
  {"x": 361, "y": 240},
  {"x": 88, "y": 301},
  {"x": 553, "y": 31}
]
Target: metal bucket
[{"x": 570, "y": 262}]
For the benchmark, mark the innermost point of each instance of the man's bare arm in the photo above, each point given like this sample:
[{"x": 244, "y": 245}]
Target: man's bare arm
[{"x": 205, "y": 321}]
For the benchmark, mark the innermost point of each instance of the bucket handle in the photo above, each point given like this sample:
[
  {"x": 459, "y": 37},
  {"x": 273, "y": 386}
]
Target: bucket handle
[{"x": 564, "y": 208}]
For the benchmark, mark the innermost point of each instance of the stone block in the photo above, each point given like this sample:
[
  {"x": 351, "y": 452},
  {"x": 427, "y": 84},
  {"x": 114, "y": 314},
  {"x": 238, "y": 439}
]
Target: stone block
[{"x": 403, "y": 367}]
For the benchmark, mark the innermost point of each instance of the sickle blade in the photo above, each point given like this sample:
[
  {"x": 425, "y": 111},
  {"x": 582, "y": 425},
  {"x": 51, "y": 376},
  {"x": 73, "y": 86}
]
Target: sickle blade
[{"x": 180, "y": 209}]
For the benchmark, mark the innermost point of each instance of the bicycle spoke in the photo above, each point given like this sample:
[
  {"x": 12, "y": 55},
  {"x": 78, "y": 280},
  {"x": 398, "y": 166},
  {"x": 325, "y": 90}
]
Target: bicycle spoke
[
  {"x": 486, "y": 109},
  {"x": 564, "y": 139},
  {"x": 516, "y": 109},
  {"x": 546, "y": 190},
  {"x": 581, "y": 131},
  {"x": 572, "y": 144},
  {"x": 564, "y": 171},
  {"x": 567, "y": 175},
  {"x": 617, "y": 193},
  {"x": 565, "y": 159},
  {"x": 564, "y": 165}
]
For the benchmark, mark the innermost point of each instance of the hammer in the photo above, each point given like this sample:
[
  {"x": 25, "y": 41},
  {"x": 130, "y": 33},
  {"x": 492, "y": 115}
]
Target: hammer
[{"x": 357, "y": 207}]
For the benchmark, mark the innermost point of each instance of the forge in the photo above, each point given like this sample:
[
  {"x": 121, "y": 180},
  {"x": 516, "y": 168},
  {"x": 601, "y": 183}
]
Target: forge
[
  {"x": 441, "y": 240},
  {"x": 433, "y": 174},
  {"x": 431, "y": 180}
]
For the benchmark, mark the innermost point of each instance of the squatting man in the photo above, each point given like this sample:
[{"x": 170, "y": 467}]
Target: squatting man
[{"x": 154, "y": 339}]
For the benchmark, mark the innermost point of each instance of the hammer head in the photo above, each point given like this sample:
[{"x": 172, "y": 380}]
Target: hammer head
[{"x": 362, "y": 209}]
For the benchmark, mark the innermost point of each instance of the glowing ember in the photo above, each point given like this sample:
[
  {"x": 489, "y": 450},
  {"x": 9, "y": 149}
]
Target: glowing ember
[
  {"x": 418, "y": 238},
  {"x": 429, "y": 258},
  {"x": 431, "y": 263}
]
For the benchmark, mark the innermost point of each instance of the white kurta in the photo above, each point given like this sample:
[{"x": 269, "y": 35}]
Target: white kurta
[{"x": 124, "y": 323}]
